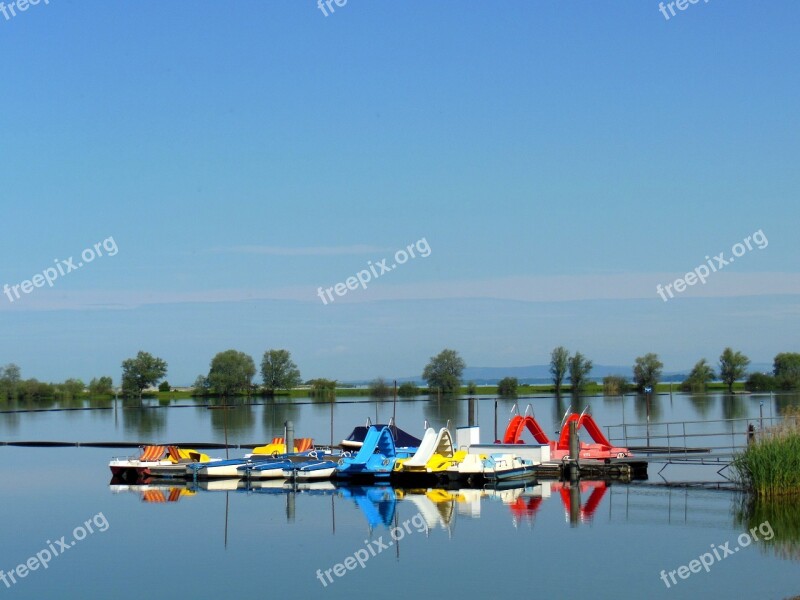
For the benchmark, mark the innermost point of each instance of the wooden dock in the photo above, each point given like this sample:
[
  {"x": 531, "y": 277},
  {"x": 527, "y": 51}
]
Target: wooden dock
[{"x": 623, "y": 469}]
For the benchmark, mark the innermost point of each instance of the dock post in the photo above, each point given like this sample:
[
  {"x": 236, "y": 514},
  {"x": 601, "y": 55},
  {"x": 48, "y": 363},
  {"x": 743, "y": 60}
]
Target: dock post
[
  {"x": 495, "y": 420},
  {"x": 471, "y": 412},
  {"x": 574, "y": 450},
  {"x": 289, "y": 436}
]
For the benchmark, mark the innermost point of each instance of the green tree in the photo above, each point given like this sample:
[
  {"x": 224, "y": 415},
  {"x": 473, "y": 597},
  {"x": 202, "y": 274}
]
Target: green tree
[
  {"x": 699, "y": 377},
  {"x": 579, "y": 369},
  {"x": 647, "y": 371},
  {"x": 164, "y": 386},
  {"x": 408, "y": 389},
  {"x": 760, "y": 382},
  {"x": 101, "y": 387},
  {"x": 34, "y": 390},
  {"x": 472, "y": 389},
  {"x": 507, "y": 387},
  {"x": 559, "y": 365},
  {"x": 231, "y": 372},
  {"x": 378, "y": 388},
  {"x": 444, "y": 372},
  {"x": 72, "y": 388},
  {"x": 732, "y": 366},
  {"x": 201, "y": 386},
  {"x": 10, "y": 378},
  {"x": 279, "y": 371},
  {"x": 322, "y": 388},
  {"x": 142, "y": 371},
  {"x": 786, "y": 368},
  {"x": 614, "y": 385}
]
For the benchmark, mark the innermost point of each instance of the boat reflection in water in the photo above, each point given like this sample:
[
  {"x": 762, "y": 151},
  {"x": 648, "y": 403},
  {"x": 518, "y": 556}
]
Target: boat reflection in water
[{"x": 438, "y": 507}]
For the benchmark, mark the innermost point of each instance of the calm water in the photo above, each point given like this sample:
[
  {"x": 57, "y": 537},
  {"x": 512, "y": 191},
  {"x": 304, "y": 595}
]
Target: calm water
[{"x": 597, "y": 541}]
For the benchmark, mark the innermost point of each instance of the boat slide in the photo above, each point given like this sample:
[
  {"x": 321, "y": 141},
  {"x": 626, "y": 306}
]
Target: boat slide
[
  {"x": 559, "y": 449},
  {"x": 376, "y": 457},
  {"x": 436, "y": 453}
]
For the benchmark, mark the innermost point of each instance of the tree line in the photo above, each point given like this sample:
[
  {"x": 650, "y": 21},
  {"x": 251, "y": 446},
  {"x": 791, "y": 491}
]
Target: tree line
[
  {"x": 13, "y": 387},
  {"x": 231, "y": 372},
  {"x": 444, "y": 372}
]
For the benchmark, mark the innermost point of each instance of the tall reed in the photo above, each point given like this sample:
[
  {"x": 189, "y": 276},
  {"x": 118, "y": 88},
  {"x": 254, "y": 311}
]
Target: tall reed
[{"x": 770, "y": 466}]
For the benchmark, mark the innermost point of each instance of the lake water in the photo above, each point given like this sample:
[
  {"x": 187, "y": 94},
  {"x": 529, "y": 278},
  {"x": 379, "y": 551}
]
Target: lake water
[{"x": 596, "y": 541}]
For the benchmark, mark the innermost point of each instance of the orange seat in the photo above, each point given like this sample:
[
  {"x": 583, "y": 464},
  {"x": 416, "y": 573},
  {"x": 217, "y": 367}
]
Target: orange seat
[
  {"x": 152, "y": 453},
  {"x": 303, "y": 444},
  {"x": 174, "y": 494},
  {"x": 174, "y": 453}
]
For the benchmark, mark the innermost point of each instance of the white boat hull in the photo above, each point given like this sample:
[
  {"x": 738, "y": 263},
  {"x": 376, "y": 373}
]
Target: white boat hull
[{"x": 310, "y": 475}]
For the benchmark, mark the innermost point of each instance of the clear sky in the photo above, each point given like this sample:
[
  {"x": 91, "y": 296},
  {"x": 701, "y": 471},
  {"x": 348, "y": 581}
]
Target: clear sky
[{"x": 559, "y": 160}]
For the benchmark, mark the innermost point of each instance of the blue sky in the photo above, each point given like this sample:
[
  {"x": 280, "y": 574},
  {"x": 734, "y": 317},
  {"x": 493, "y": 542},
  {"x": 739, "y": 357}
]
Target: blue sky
[{"x": 561, "y": 159}]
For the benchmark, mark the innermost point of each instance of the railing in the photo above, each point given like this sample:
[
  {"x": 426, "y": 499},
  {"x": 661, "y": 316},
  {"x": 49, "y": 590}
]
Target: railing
[{"x": 717, "y": 437}]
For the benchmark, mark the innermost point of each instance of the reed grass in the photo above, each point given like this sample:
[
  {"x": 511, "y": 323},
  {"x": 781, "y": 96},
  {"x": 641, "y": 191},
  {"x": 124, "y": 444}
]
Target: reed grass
[{"x": 770, "y": 466}]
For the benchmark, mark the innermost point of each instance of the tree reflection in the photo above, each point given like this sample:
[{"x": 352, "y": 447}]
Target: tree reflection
[
  {"x": 786, "y": 401},
  {"x": 237, "y": 416},
  {"x": 140, "y": 419},
  {"x": 438, "y": 412},
  {"x": 276, "y": 413},
  {"x": 648, "y": 404},
  {"x": 734, "y": 406},
  {"x": 702, "y": 403}
]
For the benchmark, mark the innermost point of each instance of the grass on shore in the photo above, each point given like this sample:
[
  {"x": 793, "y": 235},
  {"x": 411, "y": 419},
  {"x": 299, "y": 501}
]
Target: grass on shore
[{"x": 770, "y": 466}]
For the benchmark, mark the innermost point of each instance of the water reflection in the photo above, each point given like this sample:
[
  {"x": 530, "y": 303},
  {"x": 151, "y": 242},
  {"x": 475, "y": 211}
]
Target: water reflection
[
  {"x": 582, "y": 503},
  {"x": 648, "y": 408},
  {"x": 275, "y": 414},
  {"x": 783, "y": 517},
  {"x": 257, "y": 421},
  {"x": 237, "y": 416},
  {"x": 439, "y": 507},
  {"x": 734, "y": 406},
  {"x": 786, "y": 401},
  {"x": 444, "y": 410},
  {"x": 143, "y": 420},
  {"x": 702, "y": 404}
]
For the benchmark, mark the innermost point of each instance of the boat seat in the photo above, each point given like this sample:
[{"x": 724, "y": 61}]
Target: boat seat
[
  {"x": 175, "y": 454},
  {"x": 152, "y": 453},
  {"x": 303, "y": 444}
]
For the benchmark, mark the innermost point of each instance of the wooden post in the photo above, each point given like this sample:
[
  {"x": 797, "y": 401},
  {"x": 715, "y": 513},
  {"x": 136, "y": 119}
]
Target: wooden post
[
  {"x": 225, "y": 424},
  {"x": 574, "y": 450},
  {"x": 394, "y": 403},
  {"x": 495, "y": 420},
  {"x": 289, "y": 437}
]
